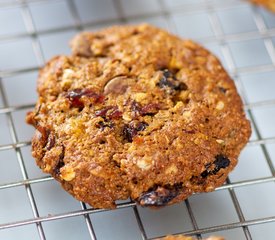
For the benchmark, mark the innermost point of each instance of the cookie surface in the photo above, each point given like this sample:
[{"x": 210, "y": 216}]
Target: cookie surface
[
  {"x": 137, "y": 112},
  {"x": 270, "y": 4}
]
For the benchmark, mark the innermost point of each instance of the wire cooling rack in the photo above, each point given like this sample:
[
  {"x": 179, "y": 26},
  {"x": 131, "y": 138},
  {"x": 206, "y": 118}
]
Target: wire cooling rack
[{"x": 33, "y": 206}]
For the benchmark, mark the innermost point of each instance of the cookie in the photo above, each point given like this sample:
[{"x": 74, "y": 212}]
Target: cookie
[
  {"x": 181, "y": 237},
  {"x": 137, "y": 112},
  {"x": 269, "y": 4}
]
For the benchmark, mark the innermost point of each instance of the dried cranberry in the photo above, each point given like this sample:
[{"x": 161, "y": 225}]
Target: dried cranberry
[
  {"x": 115, "y": 114},
  {"x": 75, "y": 97},
  {"x": 141, "y": 126},
  {"x": 149, "y": 109},
  {"x": 111, "y": 112},
  {"x": 102, "y": 112}
]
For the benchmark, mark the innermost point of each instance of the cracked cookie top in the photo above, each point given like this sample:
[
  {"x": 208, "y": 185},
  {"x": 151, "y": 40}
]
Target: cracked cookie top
[{"x": 137, "y": 112}]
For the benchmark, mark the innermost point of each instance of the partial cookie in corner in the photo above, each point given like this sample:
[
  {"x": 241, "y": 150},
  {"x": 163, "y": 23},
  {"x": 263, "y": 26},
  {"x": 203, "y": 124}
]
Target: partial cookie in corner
[
  {"x": 137, "y": 112},
  {"x": 270, "y": 4}
]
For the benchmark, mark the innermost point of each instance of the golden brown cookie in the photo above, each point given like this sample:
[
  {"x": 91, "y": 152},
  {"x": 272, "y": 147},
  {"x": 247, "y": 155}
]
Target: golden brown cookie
[
  {"x": 137, "y": 112},
  {"x": 270, "y": 4}
]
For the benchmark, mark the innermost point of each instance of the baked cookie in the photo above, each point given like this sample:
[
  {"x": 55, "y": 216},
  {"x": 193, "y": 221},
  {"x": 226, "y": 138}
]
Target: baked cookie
[
  {"x": 181, "y": 237},
  {"x": 270, "y": 4},
  {"x": 137, "y": 112}
]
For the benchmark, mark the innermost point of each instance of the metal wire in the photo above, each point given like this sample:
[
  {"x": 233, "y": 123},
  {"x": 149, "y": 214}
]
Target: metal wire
[{"x": 208, "y": 6}]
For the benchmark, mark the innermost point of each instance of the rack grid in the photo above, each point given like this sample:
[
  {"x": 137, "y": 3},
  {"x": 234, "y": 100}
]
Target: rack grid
[{"x": 242, "y": 35}]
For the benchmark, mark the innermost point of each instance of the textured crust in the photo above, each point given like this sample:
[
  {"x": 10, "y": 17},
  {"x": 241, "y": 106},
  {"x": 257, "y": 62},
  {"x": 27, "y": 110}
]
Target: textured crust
[
  {"x": 270, "y": 4},
  {"x": 181, "y": 237},
  {"x": 137, "y": 112}
]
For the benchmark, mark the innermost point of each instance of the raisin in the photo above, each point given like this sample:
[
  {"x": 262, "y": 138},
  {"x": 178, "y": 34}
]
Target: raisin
[
  {"x": 102, "y": 112},
  {"x": 159, "y": 196},
  {"x": 130, "y": 130},
  {"x": 223, "y": 90},
  {"x": 181, "y": 87},
  {"x": 220, "y": 162},
  {"x": 60, "y": 162},
  {"x": 141, "y": 126},
  {"x": 75, "y": 97},
  {"x": 103, "y": 124},
  {"x": 51, "y": 142},
  {"x": 135, "y": 107},
  {"x": 165, "y": 81},
  {"x": 168, "y": 80}
]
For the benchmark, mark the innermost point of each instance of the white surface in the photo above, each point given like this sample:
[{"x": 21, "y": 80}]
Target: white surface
[{"x": 187, "y": 18}]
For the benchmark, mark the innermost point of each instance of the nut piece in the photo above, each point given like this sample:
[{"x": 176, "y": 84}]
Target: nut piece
[
  {"x": 144, "y": 164},
  {"x": 118, "y": 85},
  {"x": 67, "y": 174},
  {"x": 220, "y": 141},
  {"x": 172, "y": 169},
  {"x": 220, "y": 105}
]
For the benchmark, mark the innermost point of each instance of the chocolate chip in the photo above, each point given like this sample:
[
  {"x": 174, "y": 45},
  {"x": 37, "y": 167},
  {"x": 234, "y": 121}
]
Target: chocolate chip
[
  {"x": 159, "y": 196},
  {"x": 75, "y": 97},
  {"x": 60, "y": 162},
  {"x": 131, "y": 130}
]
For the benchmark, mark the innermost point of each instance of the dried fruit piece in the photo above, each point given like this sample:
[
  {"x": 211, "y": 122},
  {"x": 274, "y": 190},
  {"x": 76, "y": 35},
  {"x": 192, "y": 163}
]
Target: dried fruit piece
[
  {"x": 131, "y": 130},
  {"x": 111, "y": 112},
  {"x": 149, "y": 109},
  {"x": 104, "y": 124},
  {"x": 60, "y": 162},
  {"x": 75, "y": 97},
  {"x": 221, "y": 161},
  {"x": 159, "y": 196},
  {"x": 51, "y": 142},
  {"x": 168, "y": 80}
]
